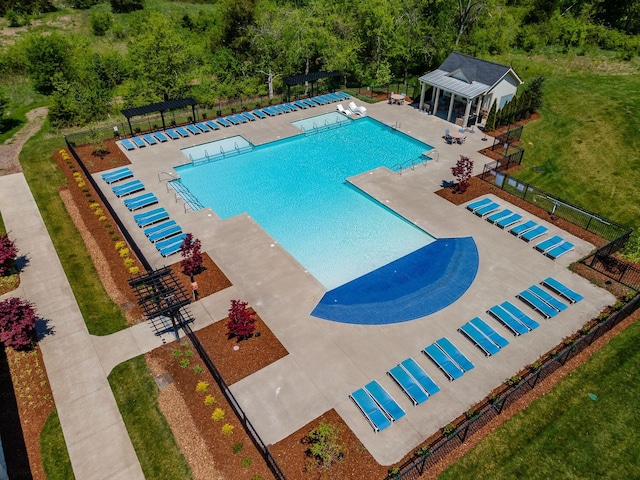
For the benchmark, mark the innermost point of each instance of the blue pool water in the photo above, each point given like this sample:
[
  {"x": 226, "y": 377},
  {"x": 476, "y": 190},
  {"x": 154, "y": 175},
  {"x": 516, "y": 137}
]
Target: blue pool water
[{"x": 296, "y": 189}]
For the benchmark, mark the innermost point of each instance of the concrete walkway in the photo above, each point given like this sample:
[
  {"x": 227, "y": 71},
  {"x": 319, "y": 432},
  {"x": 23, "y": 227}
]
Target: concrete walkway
[{"x": 96, "y": 437}]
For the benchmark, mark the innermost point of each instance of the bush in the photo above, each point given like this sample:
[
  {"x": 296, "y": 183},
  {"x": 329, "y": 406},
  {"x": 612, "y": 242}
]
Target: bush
[
  {"x": 17, "y": 323},
  {"x": 125, "y": 6},
  {"x": 241, "y": 322},
  {"x": 227, "y": 429},
  {"x": 462, "y": 173},
  {"x": 218, "y": 414},
  {"x": 100, "y": 23},
  {"x": 209, "y": 400},
  {"x": 202, "y": 386},
  {"x": 8, "y": 255},
  {"x": 324, "y": 444},
  {"x": 192, "y": 257}
]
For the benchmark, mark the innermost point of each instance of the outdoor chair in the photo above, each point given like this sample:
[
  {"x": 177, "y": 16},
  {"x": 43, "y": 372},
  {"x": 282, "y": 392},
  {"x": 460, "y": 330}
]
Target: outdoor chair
[{"x": 561, "y": 289}]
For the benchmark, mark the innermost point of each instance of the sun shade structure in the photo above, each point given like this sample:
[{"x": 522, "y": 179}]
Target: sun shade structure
[
  {"x": 159, "y": 107},
  {"x": 308, "y": 77}
]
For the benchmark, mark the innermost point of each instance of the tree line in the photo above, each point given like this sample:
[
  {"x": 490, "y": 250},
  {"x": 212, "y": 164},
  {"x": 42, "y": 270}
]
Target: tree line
[{"x": 241, "y": 48}]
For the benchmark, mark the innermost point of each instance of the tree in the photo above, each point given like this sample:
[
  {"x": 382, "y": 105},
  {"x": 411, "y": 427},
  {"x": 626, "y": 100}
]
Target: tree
[
  {"x": 46, "y": 56},
  {"x": 8, "y": 255},
  {"x": 534, "y": 90},
  {"x": 242, "y": 321},
  {"x": 462, "y": 173},
  {"x": 4, "y": 104},
  {"x": 100, "y": 23},
  {"x": 125, "y": 6},
  {"x": 192, "y": 257},
  {"x": 490, "y": 124},
  {"x": 17, "y": 323},
  {"x": 468, "y": 13}
]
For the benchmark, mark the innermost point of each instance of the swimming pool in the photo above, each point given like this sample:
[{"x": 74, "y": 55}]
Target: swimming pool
[{"x": 297, "y": 190}]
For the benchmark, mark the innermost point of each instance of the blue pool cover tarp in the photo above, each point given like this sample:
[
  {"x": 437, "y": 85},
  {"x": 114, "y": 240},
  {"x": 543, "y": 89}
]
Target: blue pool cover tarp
[{"x": 416, "y": 285}]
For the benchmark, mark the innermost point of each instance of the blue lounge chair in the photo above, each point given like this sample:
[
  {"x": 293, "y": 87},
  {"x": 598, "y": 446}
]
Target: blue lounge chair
[
  {"x": 479, "y": 339},
  {"x": 534, "y": 233},
  {"x": 409, "y": 385},
  {"x": 508, "y": 221},
  {"x": 291, "y": 106},
  {"x": 443, "y": 362},
  {"x": 171, "y": 245},
  {"x": 489, "y": 332},
  {"x": 239, "y": 118},
  {"x": 319, "y": 100},
  {"x": 150, "y": 139},
  {"x": 561, "y": 289},
  {"x": 546, "y": 297},
  {"x": 538, "y": 305},
  {"x": 454, "y": 354},
  {"x": 249, "y": 116},
  {"x": 154, "y": 218},
  {"x": 560, "y": 250},
  {"x": 493, "y": 218},
  {"x": 233, "y": 119},
  {"x": 182, "y": 132},
  {"x": 519, "y": 315},
  {"x": 142, "y": 201},
  {"x": 523, "y": 228},
  {"x": 212, "y": 125},
  {"x": 309, "y": 102},
  {"x": 342, "y": 95},
  {"x": 300, "y": 104},
  {"x": 370, "y": 409},
  {"x": 485, "y": 210},
  {"x": 128, "y": 188},
  {"x": 202, "y": 126},
  {"x": 139, "y": 198},
  {"x": 272, "y": 112},
  {"x": 117, "y": 175},
  {"x": 500, "y": 314},
  {"x": 126, "y": 143},
  {"x": 160, "y": 136},
  {"x": 138, "y": 142},
  {"x": 333, "y": 97},
  {"x": 473, "y": 206},
  {"x": 173, "y": 135},
  {"x": 548, "y": 244},
  {"x": 417, "y": 372},
  {"x": 170, "y": 250},
  {"x": 141, "y": 215},
  {"x": 193, "y": 129},
  {"x": 283, "y": 108},
  {"x": 385, "y": 400},
  {"x": 159, "y": 227},
  {"x": 224, "y": 122},
  {"x": 259, "y": 114},
  {"x": 165, "y": 234}
]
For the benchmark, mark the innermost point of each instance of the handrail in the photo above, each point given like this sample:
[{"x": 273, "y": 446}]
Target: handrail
[
  {"x": 174, "y": 177},
  {"x": 412, "y": 163}
]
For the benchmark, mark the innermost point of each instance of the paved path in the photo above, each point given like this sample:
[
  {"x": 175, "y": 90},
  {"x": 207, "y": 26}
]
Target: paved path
[{"x": 96, "y": 437}]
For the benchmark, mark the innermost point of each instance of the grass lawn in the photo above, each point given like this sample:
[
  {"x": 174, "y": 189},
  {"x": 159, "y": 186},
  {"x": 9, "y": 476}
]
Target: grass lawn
[
  {"x": 55, "y": 457},
  {"x": 136, "y": 394}
]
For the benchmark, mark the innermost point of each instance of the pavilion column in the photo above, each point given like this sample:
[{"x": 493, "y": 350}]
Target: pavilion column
[
  {"x": 422, "y": 92},
  {"x": 435, "y": 103},
  {"x": 453, "y": 96},
  {"x": 466, "y": 113},
  {"x": 478, "y": 105}
]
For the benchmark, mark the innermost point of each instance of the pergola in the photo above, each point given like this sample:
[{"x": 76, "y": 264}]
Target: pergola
[
  {"x": 159, "y": 107},
  {"x": 308, "y": 77}
]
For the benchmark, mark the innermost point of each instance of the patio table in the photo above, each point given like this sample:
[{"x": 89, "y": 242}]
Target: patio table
[{"x": 397, "y": 98}]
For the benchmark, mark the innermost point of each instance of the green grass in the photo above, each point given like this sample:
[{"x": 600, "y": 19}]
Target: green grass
[
  {"x": 55, "y": 457},
  {"x": 567, "y": 435},
  {"x": 136, "y": 394},
  {"x": 101, "y": 315}
]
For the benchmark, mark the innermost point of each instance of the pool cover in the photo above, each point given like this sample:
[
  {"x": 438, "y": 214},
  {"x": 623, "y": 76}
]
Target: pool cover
[{"x": 416, "y": 285}]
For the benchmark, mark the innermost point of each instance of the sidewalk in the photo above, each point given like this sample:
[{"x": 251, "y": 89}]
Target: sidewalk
[{"x": 97, "y": 440}]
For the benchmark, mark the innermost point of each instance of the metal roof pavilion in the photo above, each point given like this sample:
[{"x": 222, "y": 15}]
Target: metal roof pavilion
[{"x": 159, "y": 107}]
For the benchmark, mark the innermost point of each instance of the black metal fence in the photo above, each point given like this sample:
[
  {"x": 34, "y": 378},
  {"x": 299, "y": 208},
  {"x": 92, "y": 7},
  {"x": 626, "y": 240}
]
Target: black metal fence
[
  {"x": 614, "y": 268},
  {"x": 454, "y": 435}
]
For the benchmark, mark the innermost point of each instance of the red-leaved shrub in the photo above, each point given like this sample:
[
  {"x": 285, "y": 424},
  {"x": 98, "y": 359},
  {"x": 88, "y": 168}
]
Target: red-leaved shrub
[
  {"x": 17, "y": 323},
  {"x": 8, "y": 255},
  {"x": 241, "y": 322},
  {"x": 462, "y": 172},
  {"x": 190, "y": 251}
]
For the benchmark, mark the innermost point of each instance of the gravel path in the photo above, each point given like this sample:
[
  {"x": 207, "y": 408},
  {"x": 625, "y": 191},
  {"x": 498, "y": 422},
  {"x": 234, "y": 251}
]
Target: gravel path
[{"x": 10, "y": 150}]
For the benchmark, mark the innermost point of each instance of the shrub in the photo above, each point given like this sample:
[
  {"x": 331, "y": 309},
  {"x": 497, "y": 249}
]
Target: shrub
[
  {"x": 93, "y": 206},
  {"x": 324, "y": 444},
  {"x": 197, "y": 369},
  {"x": 124, "y": 253},
  {"x": 134, "y": 270},
  {"x": 209, "y": 400},
  {"x": 513, "y": 381},
  {"x": 17, "y": 323},
  {"x": 98, "y": 212},
  {"x": 218, "y": 414},
  {"x": 129, "y": 262},
  {"x": 462, "y": 173},
  {"x": 8, "y": 255},
  {"x": 120, "y": 245},
  {"x": 241, "y": 322},
  {"x": 192, "y": 257},
  {"x": 100, "y": 23},
  {"x": 245, "y": 462},
  {"x": 184, "y": 363},
  {"x": 102, "y": 218},
  {"x": 227, "y": 429},
  {"x": 237, "y": 447},
  {"x": 449, "y": 430},
  {"x": 201, "y": 386}
]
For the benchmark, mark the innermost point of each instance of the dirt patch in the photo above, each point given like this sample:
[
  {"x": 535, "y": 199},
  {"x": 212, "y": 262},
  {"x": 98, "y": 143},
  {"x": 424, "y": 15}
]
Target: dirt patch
[
  {"x": 111, "y": 158},
  {"x": 10, "y": 150}
]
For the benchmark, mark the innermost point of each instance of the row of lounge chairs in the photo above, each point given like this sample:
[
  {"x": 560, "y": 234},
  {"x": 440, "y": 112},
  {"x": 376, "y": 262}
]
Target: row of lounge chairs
[
  {"x": 205, "y": 126},
  {"x": 165, "y": 234},
  {"x": 553, "y": 247},
  {"x": 353, "y": 110}
]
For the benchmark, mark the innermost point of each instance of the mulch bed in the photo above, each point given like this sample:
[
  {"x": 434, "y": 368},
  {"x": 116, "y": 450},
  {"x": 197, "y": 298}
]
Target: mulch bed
[{"x": 95, "y": 163}]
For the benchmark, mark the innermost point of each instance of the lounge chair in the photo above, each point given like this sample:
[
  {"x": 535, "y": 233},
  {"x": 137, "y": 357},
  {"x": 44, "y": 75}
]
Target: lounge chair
[
  {"x": 494, "y": 217},
  {"x": 362, "y": 111},
  {"x": 300, "y": 104},
  {"x": 173, "y": 135},
  {"x": 504, "y": 317},
  {"x": 385, "y": 400},
  {"x": 519, "y": 315},
  {"x": 193, "y": 129},
  {"x": 128, "y": 188},
  {"x": 181, "y": 131},
  {"x": 342, "y": 95},
  {"x": 560, "y": 250},
  {"x": 202, "y": 126},
  {"x": 141, "y": 201},
  {"x": 561, "y": 289},
  {"x": 333, "y": 97},
  {"x": 479, "y": 339},
  {"x": 171, "y": 245},
  {"x": 370, "y": 409},
  {"x": 271, "y": 111},
  {"x": 165, "y": 234},
  {"x": 291, "y": 106},
  {"x": 486, "y": 209},
  {"x": 534, "y": 233},
  {"x": 523, "y": 228},
  {"x": 147, "y": 220},
  {"x": 537, "y": 304},
  {"x": 160, "y": 136},
  {"x": 283, "y": 107},
  {"x": 409, "y": 385},
  {"x": 309, "y": 102},
  {"x": 508, "y": 221},
  {"x": 343, "y": 111},
  {"x": 489, "y": 332},
  {"x": 249, "y": 116},
  {"x": 454, "y": 354},
  {"x": 546, "y": 297},
  {"x": 170, "y": 249},
  {"x": 159, "y": 227},
  {"x": 239, "y": 118},
  {"x": 141, "y": 215},
  {"x": 138, "y": 142},
  {"x": 212, "y": 125},
  {"x": 259, "y": 114},
  {"x": 548, "y": 244},
  {"x": 126, "y": 143},
  {"x": 117, "y": 175},
  {"x": 150, "y": 139},
  {"x": 319, "y": 100},
  {"x": 417, "y": 372},
  {"x": 443, "y": 362},
  {"x": 473, "y": 206},
  {"x": 224, "y": 122},
  {"x": 232, "y": 119}
]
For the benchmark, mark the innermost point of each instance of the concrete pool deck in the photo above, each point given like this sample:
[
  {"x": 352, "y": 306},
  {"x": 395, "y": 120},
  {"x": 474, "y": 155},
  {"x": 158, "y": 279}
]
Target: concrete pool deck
[{"x": 327, "y": 360}]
